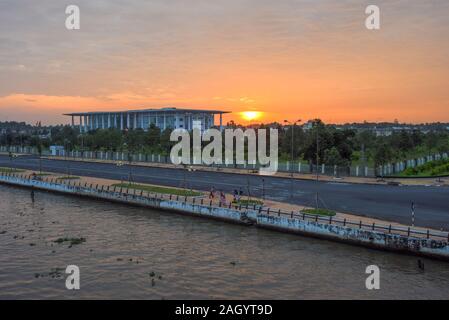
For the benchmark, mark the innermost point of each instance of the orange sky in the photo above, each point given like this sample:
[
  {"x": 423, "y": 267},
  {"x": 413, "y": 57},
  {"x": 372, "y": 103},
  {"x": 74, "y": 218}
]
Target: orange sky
[{"x": 290, "y": 60}]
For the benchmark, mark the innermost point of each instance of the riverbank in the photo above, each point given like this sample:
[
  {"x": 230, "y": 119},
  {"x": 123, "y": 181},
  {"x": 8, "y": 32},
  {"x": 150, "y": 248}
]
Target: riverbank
[
  {"x": 429, "y": 243},
  {"x": 155, "y": 189}
]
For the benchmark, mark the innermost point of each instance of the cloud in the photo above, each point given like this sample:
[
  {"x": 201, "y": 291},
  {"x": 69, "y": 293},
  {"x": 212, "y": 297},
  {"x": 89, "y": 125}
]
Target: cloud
[{"x": 285, "y": 56}]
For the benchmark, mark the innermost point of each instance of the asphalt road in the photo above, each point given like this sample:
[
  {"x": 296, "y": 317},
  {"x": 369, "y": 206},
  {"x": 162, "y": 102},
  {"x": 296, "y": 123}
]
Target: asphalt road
[{"x": 391, "y": 203}]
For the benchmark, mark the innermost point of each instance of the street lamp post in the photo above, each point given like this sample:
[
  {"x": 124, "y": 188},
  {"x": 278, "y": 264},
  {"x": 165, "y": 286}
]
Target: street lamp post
[
  {"x": 66, "y": 150},
  {"x": 317, "y": 168},
  {"x": 39, "y": 151},
  {"x": 11, "y": 157},
  {"x": 119, "y": 164},
  {"x": 184, "y": 182},
  {"x": 130, "y": 159},
  {"x": 248, "y": 187},
  {"x": 263, "y": 189},
  {"x": 292, "y": 124},
  {"x": 82, "y": 146}
]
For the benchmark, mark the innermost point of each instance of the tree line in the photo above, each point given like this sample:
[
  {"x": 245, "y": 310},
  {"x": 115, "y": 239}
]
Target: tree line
[{"x": 319, "y": 144}]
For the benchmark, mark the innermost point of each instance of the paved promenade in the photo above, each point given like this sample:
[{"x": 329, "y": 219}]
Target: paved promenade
[{"x": 274, "y": 206}]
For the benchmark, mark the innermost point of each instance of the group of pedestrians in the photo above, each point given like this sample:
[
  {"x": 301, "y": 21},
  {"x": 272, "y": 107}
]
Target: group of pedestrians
[
  {"x": 221, "y": 194},
  {"x": 236, "y": 195}
]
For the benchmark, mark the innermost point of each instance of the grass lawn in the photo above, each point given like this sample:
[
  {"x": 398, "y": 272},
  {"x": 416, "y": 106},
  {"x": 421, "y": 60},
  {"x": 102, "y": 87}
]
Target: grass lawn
[
  {"x": 429, "y": 169},
  {"x": 43, "y": 174},
  {"x": 156, "y": 189},
  {"x": 68, "y": 178},
  {"x": 10, "y": 170},
  {"x": 250, "y": 202},
  {"x": 320, "y": 212}
]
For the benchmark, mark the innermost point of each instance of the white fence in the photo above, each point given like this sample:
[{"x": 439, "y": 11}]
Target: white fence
[{"x": 294, "y": 167}]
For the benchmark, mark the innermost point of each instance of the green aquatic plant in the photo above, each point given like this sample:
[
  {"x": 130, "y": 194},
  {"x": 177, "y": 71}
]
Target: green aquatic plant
[{"x": 71, "y": 241}]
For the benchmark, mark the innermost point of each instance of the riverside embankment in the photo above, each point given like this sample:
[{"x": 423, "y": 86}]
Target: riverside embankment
[
  {"x": 427, "y": 243},
  {"x": 387, "y": 203}
]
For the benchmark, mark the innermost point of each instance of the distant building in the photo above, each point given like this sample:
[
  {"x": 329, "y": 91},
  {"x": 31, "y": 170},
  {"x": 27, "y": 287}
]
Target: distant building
[
  {"x": 56, "y": 150},
  {"x": 45, "y": 136},
  {"x": 308, "y": 125},
  {"x": 142, "y": 119},
  {"x": 383, "y": 132}
]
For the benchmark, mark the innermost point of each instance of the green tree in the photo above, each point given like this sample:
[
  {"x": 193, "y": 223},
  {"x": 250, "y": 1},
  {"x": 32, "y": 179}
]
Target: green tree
[
  {"x": 153, "y": 136},
  {"x": 333, "y": 158},
  {"x": 383, "y": 155},
  {"x": 166, "y": 144},
  {"x": 318, "y": 139},
  {"x": 135, "y": 140}
]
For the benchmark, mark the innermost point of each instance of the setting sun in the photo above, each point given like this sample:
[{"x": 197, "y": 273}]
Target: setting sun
[{"x": 251, "y": 115}]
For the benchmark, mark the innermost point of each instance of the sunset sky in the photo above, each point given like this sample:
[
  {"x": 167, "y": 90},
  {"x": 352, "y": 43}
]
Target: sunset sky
[{"x": 288, "y": 59}]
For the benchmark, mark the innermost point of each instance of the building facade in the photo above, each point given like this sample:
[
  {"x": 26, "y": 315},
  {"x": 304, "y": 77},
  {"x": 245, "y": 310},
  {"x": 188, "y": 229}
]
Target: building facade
[{"x": 142, "y": 119}]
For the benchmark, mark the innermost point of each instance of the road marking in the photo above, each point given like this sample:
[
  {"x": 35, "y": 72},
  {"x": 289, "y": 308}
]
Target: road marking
[{"x": 338, "y": 183}]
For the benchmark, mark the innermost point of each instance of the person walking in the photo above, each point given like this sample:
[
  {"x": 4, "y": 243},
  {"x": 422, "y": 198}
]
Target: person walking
[
  {"x": 222, "y": 198},
  {"x": 212, "y": 193},
  {"x": 236, "y": 194}
]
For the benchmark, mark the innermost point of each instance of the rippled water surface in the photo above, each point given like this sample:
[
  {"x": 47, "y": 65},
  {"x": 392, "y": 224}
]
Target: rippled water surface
[{"x": 187, "y": 258}]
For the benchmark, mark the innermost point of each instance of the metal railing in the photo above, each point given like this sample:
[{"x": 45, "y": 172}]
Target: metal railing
[{"x": 196, "y": 200}]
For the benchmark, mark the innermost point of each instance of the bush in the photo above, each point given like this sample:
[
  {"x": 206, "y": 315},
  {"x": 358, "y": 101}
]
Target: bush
[{"x": 433, "y": 168}]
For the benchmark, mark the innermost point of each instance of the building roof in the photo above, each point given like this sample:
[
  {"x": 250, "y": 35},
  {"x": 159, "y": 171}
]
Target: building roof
[{"x": 166, "y": 110}]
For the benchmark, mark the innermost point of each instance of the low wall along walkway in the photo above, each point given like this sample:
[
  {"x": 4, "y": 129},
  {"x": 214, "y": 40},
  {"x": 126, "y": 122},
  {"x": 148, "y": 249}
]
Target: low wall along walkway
[{"x": 427, "y": 243}]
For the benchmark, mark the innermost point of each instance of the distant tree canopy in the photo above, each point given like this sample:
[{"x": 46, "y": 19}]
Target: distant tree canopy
[{"x": 320, "y": 142}]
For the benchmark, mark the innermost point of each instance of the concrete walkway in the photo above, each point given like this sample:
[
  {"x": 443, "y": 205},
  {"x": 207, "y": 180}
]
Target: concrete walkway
[{"x": 379, "y": 201}]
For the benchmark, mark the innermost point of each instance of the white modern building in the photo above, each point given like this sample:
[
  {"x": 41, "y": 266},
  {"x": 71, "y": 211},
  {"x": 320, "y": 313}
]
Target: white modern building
[{"x": 142, "y": 119}]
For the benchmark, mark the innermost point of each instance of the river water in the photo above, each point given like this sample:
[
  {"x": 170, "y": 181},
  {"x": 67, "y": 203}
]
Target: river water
[{"x": 140, "y": 253}]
